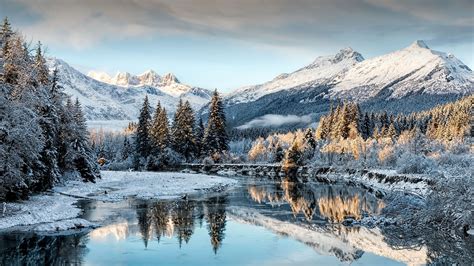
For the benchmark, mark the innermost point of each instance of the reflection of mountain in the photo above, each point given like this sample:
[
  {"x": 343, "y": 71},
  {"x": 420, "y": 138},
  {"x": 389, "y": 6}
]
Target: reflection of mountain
[
  {"x": 117, "y": 231},
  {"x": 348, "y": 244},
  {"x": 334, "y": 203}
]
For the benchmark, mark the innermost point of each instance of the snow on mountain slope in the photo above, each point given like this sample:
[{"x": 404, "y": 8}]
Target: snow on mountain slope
[
  {"x": 106, "y": 101},
  {"x": 396, "y": 82},
  {"x": 416, "y": 68},
  {"x": 323, "y": 70}
]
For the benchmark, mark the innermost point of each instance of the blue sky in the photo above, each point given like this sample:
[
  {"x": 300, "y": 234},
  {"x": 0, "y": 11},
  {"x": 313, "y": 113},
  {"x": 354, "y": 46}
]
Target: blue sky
[{"x": 228, "y": 44}]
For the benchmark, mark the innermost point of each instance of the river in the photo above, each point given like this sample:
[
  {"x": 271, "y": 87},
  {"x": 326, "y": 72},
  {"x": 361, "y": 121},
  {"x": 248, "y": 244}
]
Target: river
[{"x": 259, "y": 222}]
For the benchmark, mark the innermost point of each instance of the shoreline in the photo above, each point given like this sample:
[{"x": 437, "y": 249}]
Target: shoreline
[{"x": 58, "y": 211}]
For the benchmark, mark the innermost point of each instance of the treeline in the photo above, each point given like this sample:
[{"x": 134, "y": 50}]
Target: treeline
[
  {"x": 445, "y": 122},
  {"x": 43, "y": 133},
  {"x": 154, "y": 143},
  {"x": 414, "y": 143}
]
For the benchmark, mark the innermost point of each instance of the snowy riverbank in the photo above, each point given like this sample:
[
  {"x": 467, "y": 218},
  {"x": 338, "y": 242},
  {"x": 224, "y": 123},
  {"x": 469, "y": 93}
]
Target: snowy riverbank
[{"x": 58, "y": 211}]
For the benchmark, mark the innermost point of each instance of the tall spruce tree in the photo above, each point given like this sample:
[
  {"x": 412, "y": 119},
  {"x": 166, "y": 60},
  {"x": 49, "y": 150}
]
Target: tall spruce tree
[
  {"x": 216, "y": 139},
  {"x": 159, "y": 132},
  {"x": 142, "y": 138},
  {"x": 5, "y": 33},
  {"x": 153, "y": 131},
  {"x": 42, "y": 73},
  {"x": 184, "y": 141},
  {"x": 199, "y": 135}
]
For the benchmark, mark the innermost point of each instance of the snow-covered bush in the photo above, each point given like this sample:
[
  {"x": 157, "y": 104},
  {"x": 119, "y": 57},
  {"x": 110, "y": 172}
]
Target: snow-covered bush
[
  {"x": 208, "y": 161},
  {"x": 119, "y": 165},
  {"x": 456, "y": 160},
  {"x": 410, "y": 163}
]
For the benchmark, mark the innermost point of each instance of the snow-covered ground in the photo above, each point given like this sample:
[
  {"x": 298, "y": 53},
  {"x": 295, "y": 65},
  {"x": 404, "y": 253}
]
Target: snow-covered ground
[
  {"x": 39, "y": 209},
  {"x": 117, "y": 185},
  {"x": 57, "y": 211}
]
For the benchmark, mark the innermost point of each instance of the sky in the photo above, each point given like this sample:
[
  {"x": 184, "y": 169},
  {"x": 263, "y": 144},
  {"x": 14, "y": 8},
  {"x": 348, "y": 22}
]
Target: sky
[{"x": 226, "y": 44}]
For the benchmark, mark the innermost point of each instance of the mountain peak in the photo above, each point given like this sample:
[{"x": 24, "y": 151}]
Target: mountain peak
[
  {"x": 419, "y": 44},
  {"x": 150, "y": 78},
  {"x": 125, "y": 79},
  {"x": 100, "y": 76},
  {"x": 168, "y": 79},
  {"x": 348, "y": 53}
]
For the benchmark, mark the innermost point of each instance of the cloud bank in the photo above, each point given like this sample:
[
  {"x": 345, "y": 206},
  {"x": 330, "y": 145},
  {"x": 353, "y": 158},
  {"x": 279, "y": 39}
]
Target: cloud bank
[
  {"x": 272, "y": 120},
  {"x": 277, "y": 22}
]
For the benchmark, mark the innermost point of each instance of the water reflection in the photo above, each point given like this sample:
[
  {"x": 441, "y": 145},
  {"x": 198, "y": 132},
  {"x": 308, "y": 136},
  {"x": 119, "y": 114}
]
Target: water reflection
[
  {"x": 177, "y": 219},
  {"x": 306, "y": 213},
  {"x": 334, "y": 203},
  {"x": 33, "y": 249}
]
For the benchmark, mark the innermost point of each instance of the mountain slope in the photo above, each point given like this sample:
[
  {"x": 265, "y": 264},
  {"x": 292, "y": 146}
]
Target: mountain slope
[
  {"x": 416, "y": 68},
  {"x": 410, "y": 79},
  {"x": 323, "y": 70},
  {"x": 108, "y": 101}
]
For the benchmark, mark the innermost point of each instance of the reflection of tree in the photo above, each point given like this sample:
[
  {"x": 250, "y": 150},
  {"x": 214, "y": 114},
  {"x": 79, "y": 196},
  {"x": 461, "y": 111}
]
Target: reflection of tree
[
  {"x": 300, "y": 197},
  {"x": 272, "y": 193},
  {"x": 32, "y": 249},
  {"x": 169, "y": 218},
  {"x": 335, "y": 203},
  {"x": 183, "y": 220},
  {"x": 216, "y": 220},
  {"x": 443, "y": 248},
  {"x": 144, "y": 222},
  {"x": 161, "y": 220}
]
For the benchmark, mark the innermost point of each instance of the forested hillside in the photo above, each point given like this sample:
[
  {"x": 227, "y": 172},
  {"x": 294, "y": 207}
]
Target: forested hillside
[{"x": 43, "y": 132}]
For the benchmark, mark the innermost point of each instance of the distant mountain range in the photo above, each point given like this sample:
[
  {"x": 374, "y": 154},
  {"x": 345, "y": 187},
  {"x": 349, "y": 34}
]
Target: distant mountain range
[
  {"x": 120, "y": 97},
  {"x": 410, "y": 79}
]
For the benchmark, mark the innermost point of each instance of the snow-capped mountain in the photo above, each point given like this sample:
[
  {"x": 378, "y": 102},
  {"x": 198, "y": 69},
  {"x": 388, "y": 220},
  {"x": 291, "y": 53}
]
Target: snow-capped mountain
[
  {"x": 416, "y": 68},
  {"x": 410, "y": 79},
  {"x": 120, "y": 97},
  {"x": 167, "y": 83},
  {"x": 323, "y": 70}
]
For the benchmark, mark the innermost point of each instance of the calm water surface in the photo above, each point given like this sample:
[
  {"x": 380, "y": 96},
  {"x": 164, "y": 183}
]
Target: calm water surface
[{"x": 257, "y": 223}]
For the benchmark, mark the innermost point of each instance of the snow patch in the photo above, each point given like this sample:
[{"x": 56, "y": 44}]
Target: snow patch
[
  {"x": 117, "y": 185},
  {"x": 39, "y": 209}
]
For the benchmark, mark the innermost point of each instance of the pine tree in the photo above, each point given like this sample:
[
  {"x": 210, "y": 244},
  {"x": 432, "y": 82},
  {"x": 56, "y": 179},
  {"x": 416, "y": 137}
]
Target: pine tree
[
  {"x": 215, "y": 136},
  {"x": 126, "y": 148},
  {"x": 183, "y": 130},
  {"x": 159, "y": 131},
  {"x": 199, "y": 136},
  {"x": 42, "y": 74},
  {"x": 391, "y": 132},
  {"x": 142, "y": 138},
  {"x": 322, "y": 130},
  {"x": 6, "y": 30},
  {"x": 279, "y": 153},
  {"x": 366, "y": 126},
  {"x": 309, "y": 138},
  {"x": 292, "y": 157},
  {"x": 342, "y": 122},
  {"x": 84, "y": 160},
  {"x": 154, "y": 129},
  {"x": 5, "y": 34}
]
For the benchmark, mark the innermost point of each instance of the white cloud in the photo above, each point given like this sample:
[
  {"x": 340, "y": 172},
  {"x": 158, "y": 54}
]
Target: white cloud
[{"x": 273, "y": 120}]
